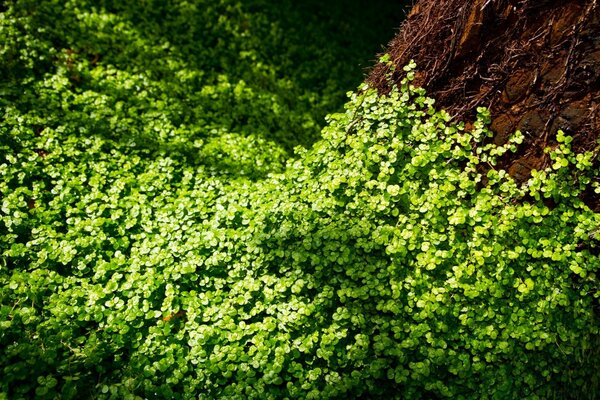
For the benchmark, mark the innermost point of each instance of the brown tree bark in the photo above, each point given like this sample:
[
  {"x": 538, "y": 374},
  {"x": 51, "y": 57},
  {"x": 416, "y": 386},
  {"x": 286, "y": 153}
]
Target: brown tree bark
[{"x": 534, "y": 63}]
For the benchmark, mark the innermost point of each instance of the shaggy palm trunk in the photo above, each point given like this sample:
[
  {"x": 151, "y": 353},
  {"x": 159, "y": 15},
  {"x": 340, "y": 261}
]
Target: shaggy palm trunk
[{"x": 534, "y": 63}]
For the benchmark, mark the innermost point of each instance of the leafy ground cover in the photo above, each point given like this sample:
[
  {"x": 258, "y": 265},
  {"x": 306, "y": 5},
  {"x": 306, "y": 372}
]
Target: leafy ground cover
[{"x": 160, "y": 240}]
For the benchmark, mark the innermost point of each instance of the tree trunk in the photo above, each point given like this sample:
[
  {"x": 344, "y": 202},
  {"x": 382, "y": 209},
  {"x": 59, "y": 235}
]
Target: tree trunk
[{"x": 534, "y": 63}]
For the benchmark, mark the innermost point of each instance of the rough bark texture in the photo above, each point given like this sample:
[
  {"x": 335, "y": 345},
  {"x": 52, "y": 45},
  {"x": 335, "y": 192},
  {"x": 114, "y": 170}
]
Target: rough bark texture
[{"x": 534, "y": 63}]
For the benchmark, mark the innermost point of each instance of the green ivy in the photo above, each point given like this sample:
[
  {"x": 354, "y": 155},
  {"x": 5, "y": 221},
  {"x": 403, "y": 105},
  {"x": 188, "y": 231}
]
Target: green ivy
[{"x": 153, "y": 248}]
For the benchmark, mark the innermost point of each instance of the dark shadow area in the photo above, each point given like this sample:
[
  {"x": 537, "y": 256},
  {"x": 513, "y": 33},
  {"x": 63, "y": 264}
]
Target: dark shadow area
[{"x": 269, "y": 69}]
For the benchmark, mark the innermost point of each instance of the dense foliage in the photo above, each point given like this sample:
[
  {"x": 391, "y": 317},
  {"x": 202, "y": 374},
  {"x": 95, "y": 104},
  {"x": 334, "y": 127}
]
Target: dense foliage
[{"x": 158, "y": 240}]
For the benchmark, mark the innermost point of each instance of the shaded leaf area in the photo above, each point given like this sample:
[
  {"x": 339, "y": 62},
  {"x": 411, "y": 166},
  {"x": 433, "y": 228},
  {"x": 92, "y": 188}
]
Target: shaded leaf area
[{"x": 231, "y": 85}]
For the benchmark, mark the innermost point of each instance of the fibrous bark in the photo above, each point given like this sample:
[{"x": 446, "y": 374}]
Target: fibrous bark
[{"x": 534, "y": 63}]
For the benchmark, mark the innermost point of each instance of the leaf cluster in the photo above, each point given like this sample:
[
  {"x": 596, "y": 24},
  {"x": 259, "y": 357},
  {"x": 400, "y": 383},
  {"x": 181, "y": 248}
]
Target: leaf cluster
[{"x": 379, "y": 263}]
